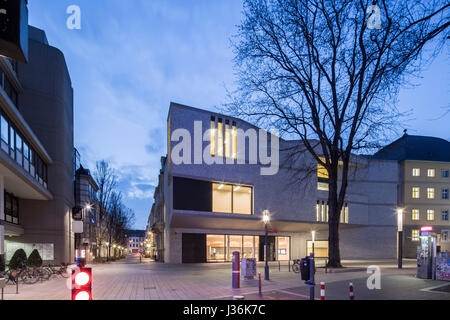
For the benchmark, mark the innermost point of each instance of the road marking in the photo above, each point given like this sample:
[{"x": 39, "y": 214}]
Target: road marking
[
  {"x": 296, "y": 294},
  {"x": 435, "y": 287}
]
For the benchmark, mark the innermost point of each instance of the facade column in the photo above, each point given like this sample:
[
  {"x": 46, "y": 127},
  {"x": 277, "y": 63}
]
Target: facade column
[{"x": 2, "y": 214}]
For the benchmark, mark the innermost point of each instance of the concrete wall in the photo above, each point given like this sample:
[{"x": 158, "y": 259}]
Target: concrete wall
[{"x": 47, "y": 106}]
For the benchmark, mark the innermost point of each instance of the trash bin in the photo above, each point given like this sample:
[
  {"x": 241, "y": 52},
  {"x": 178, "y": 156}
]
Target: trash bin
[
  {"x": 248, "y": 268},
  {"x": 305, "y": 268}
]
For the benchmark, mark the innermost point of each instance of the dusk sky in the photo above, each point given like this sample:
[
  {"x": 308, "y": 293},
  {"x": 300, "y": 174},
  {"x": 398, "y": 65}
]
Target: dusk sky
[{"x": 132, "y": 58}]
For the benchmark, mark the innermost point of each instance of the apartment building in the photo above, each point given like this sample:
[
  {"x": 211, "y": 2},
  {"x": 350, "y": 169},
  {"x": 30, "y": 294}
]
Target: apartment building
[
  {"x": 36, "y": 163},
  {"x": 424, "y": 184},
  {"x": 135, "y": 241},
  {"x": 205, "y": 209}
]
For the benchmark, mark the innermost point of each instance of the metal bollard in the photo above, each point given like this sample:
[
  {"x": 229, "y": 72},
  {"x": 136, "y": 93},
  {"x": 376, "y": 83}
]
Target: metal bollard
[
  {"x": 352, "y": 296},
  {"x": 260, "y": 286},
  {"x": 236, "y": 270},
  {"x": 289, "y": 265},
  {"x": 279, "y": 266},
  {"x": 322, "y": 291}
]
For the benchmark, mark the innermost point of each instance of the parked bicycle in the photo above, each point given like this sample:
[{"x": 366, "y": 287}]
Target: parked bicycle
[{"x": 296, "y": 266}]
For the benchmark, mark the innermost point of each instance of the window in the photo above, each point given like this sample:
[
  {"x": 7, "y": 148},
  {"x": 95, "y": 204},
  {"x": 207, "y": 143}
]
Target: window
[
  {"x": 322, "y": 212},
  {"x": 415, "y": 214},
  {"x": 322, "y": 177},
  {"x": 416, "y": 193},
  {"x": 227, "y": 139},
  {"x": 415, "y": 235},
  {"x": 232, "y": 199},
  {"x": 445, "y": 194},
  {"x": 213, "y": 136},
  {"x": 445, "y": 173},
  {"x": 220, "y": 138},
  {"x": 431, "y": 173},
  {"x": 11, "y": 208},
  {"x": 430, "y": 214},
  {"x": 234, "y": 138},
  {"x": 444, "y": 213},
  {"x": 242, "y": 200},
  {"x": 4, "y": 130},
  {"x": 416, "y": 172},
  {"x": 444, "y": 236},
  {"x": 430, "y": 193}
]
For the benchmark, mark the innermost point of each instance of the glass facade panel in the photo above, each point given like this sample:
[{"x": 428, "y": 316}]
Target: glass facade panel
[
  {"x": 215, "y": 248},
  {"x": 227, "y": 139},
  {"x": 249, "y": 247},
  {"x": 222, "y": 198},
  {"x": 234, "y": 138},
  {"x": 283, "y": 248},
  {"x": 213, "y": 136},
  {"x": 235, "y": 245},
  {"x": 320, "y": 248},
  {"x": 242, "y": 200},
  {"x": 220, "y": 138}
]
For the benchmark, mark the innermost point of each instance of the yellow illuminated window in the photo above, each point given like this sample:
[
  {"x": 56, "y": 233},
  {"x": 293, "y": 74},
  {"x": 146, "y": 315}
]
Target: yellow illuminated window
[
  {"x": 415, "y": 235},
  {"x": 220, "y": 138},
  {"x": 234, "y": 138},
  {"x": 416, "y": 172},
  {"x": 415, "y": 214},
  {"x": 431, "y": 173},
  {"x": 430, "y": 193},
  {"x": 213, "y": 136},
  {"x": 415, "y": 192},
  {"x": 227, "y": 139},
  {"x": 318, "y": 211},
  {"x": 322, "y": 172},
  {"x": 430, "y": 214}
]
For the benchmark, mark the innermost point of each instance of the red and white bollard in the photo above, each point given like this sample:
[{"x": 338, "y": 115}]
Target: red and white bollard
[
  {"x": 352, "y": 297},
  {"x": 322, "y": 291}
]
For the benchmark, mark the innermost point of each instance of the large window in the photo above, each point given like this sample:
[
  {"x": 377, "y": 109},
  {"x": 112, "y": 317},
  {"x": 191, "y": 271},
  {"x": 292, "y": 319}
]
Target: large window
[
  {"x": 223, "y": 138},
  {"x": 322, "y": 212},
  {"x": 220, "y": 248},
  {"x": 213, "y": 136},
  {"x": 431, "y": 173},
  {"x": 320, "y": 248},
  {"x": 445, "y": 173},
  {"x": 445, "y": 194},
  {"x": 11, "y": 208},
  {"x": 416, "y": 172},
  {"x": 229, "y": 198},
  {"x": 18, "y": 148}
]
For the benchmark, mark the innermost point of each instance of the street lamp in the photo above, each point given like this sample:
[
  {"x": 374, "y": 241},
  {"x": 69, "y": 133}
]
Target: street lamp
[
  {"x": 400, "y": 237},
  {"x": 266, "y": 220}
]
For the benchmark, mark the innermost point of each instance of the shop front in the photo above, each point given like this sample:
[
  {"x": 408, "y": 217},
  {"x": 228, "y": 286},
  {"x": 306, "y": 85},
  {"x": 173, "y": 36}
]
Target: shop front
[{"x": 198, "y": 248}]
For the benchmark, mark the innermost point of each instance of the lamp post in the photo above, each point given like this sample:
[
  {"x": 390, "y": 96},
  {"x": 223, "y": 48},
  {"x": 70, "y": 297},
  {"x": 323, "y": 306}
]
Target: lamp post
[
  {"x": 400, "y": 237},
  {"x": 266, "y": 220}
]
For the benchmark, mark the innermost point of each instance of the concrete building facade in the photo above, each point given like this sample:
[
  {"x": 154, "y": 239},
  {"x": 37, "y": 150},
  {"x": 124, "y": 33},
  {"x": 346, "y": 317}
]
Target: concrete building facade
[
  {"x": 135, "y": 241},
  {"x": 36, "y": 174},
  {"x": 206, "y": 211},
  {"x": 424, "y": 185}
]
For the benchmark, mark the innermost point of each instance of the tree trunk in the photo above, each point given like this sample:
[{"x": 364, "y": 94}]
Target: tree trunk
[{"x": 334, "y": 255}]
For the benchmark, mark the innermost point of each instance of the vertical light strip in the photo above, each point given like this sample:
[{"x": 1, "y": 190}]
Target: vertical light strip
[
  {"x": 318, "y": 211},
  {"x": 213, "y": 136},
  {"x": 234, "y": 138},
  {"x": 227, "y": 139},
  {"x": 220, "y": 138}
]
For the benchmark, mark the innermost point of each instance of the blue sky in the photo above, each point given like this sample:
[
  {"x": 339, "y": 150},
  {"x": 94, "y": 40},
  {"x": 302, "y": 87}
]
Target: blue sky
[{"x": 131, "y": 58}]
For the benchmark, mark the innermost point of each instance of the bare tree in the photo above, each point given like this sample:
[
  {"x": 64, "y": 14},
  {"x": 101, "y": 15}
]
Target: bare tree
[
  {"x": 106, "y": 179},
  {"x": 119, "y": 219},
  {"x": 328, "y": 73}
]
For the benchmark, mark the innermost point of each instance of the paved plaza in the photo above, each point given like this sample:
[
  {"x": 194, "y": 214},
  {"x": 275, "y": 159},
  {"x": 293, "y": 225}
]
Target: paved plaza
[{"x": 131, "y": 280}]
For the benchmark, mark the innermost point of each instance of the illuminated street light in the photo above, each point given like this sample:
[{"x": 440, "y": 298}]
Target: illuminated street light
[
  {"x": 88, "y": 207},
  {"x": 400, "y": 237}
]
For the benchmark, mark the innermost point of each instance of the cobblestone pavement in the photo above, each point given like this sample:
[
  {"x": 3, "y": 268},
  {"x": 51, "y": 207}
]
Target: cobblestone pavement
[{"x": 131, "y": 280}]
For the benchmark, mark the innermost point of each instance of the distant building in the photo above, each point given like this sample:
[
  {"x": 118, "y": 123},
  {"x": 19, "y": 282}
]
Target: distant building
[
  {"x": 86, "y": 197},
  {"x": 36, "y": 153},
  {"x": 424, "y": 185},
  {"x": 135, "y": 241}
]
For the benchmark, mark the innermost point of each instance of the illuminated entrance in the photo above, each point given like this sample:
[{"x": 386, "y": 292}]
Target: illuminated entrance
[{"x": 220, "y": 248}]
